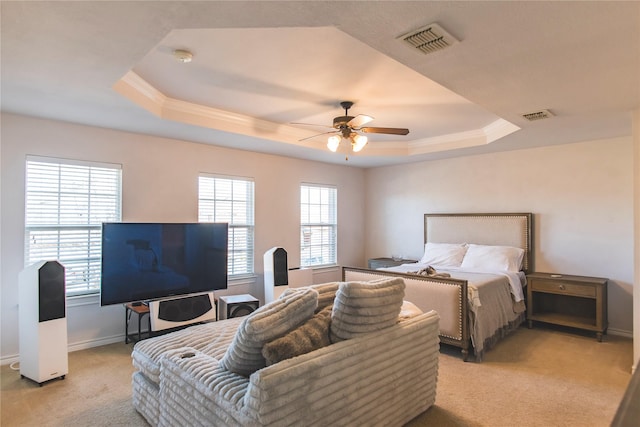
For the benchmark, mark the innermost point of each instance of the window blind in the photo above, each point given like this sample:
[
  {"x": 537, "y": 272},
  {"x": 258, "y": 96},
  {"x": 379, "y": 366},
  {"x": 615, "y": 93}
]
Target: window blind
[
  {"x": 230, "y": 200},
  {"x": 66, "y": 203},
  {"x": 318, "y": 225}
]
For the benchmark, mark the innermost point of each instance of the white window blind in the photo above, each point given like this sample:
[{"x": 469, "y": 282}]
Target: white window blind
[
  {"x": 318, "y": 225},
  {"x": 230, "y": 200},
  {"x": 66, "y": 203}
]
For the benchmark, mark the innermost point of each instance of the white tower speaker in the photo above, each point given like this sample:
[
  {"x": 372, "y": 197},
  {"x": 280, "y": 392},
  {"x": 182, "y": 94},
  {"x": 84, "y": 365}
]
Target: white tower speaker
[
  {"x": 276, "y": 277},
  {"x": 43, "y": 322}
]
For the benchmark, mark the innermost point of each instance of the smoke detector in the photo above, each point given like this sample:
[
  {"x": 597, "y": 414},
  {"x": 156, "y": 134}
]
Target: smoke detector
[
  {"x": 538, "y": 115},
  {"x": 183, "y": 55},
  {"x": 428, "y": 39}
]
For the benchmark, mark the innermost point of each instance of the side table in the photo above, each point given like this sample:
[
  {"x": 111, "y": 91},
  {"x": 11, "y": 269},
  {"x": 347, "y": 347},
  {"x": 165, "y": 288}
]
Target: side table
[
  {"x": 574, "y": 301},
  {"x": 140, "y": 310}
]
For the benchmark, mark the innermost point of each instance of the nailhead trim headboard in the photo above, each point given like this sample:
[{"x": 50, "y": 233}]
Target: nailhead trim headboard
[{"x": 506, "y": 229}]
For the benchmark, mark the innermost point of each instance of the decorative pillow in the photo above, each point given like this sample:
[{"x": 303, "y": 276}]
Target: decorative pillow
[
  {"x": 326, "y": 293},
  {"x": 363, "y": 307},
  {"x": 443, "y": 254},
  {"x": 312, "y": 335},
  {"x": 493, "y": 258},
  {"x": 271, "y": 321}
]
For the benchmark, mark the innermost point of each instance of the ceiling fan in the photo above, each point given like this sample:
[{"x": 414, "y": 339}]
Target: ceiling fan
[{"x": 347, "y": 127}]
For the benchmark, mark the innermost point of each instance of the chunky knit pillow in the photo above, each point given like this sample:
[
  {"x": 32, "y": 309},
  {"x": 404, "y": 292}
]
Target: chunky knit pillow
[
  {"x": 363, "y": 307},
  {"x": 326, "y": 293},
  {"x": 312, "y": 335},
  {"x": 271, "y": 321}
]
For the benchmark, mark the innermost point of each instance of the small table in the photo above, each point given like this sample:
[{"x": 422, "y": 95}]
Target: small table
[
  {"x": 140, "y": 310},
  {"x": 574, "y": 301}
]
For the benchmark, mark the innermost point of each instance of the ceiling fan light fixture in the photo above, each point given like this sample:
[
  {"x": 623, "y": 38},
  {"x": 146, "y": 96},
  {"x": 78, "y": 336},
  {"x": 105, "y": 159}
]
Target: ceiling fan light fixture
[
  {"x": 358, "y": 142},
  {"x": 333, "y": 143}
]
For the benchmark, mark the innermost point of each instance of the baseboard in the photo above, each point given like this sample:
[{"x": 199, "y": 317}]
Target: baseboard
[
  {"x": 81, "y": 345},
  {"x": 620, "y": 333}
]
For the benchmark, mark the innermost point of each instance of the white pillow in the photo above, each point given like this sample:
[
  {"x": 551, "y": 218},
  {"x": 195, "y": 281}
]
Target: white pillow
[
  {"x": 443, "y": 254},
  {"x": 493, "y": 258}
]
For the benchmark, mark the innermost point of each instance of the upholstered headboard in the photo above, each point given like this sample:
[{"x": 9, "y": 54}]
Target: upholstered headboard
[{"x": 505, "y": 229}]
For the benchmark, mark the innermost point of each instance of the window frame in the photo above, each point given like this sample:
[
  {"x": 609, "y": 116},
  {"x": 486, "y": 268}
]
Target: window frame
[
  {"x": 60, "y": 236},
  {"x": 327, "y": 225},
  {"x": 234, "y": 228}
]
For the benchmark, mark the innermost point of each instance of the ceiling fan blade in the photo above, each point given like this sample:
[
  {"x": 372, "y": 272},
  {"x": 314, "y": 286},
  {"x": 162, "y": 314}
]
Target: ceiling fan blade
[
  {"x": 359, "y": 120},
  {"x": 390, "y": 131},
  {"x": 310, "y": 124},
  {"x": 313, "y": 136}
]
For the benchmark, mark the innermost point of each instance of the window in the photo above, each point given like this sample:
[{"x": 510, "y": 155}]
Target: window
[
  {"x": 318, "y": 225},
  {"x": 227, "y": 199},
  {"x": 66, "y": 203}
]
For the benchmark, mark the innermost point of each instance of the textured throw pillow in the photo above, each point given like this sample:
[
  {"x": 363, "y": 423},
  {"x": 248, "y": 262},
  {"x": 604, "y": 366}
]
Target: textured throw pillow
[
  {"x": 312, "y": 335},
  {"x": 271, "y": 321},
  {"x": 363, "y": 307},
  {"x": 326, "y": 293}
]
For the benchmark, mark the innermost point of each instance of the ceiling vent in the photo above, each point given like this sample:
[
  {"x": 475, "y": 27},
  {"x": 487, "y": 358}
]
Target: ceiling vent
[
  {"x": 430, "y": 38},
  {"x": 538, "y": 115}
]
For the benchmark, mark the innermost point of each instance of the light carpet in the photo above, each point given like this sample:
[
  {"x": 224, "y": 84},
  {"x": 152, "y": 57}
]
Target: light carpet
[{"x": 537, "y": 377}]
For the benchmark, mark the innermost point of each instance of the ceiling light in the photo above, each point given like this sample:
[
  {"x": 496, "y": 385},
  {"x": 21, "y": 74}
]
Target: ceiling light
[
  {"x": 333, "y": 143},
  {"x": 358, "y": 142},
  {"x": 182, "y": 55}
]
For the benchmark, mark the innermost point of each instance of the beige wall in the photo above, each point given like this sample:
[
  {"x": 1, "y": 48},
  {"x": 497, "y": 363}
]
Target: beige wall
[
  {"x": 160, "y": 184},
  {"x": 581, "y": 196}
]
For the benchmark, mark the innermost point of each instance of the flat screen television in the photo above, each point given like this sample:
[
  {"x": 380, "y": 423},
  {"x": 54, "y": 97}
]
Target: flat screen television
[{"x": 147, "y": 261}]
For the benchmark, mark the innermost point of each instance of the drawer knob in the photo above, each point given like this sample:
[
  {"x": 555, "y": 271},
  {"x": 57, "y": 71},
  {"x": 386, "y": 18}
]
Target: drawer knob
[{"x": 561, "y": 287}]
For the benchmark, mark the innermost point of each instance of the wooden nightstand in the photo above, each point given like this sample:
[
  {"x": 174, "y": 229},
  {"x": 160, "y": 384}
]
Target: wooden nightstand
[
  {"x": 574, "y": 301},
  {"x": 387, "y": 262}
]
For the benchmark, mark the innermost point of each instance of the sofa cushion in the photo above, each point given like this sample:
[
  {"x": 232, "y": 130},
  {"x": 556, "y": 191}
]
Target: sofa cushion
[
  {"x": 326, "y": 293},
  {"x": 312, "y": 335},
  {"x": 271, "y": 321},
  {"x": 363, "y": 307}
]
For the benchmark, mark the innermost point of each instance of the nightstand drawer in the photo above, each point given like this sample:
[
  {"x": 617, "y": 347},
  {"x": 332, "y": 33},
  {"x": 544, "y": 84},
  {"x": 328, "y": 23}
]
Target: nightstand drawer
[{"x": 564, "y": 288}]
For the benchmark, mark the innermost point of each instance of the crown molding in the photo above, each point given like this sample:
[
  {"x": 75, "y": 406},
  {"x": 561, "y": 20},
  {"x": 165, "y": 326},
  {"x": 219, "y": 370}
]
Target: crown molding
[{"x": 139, "y": 91}]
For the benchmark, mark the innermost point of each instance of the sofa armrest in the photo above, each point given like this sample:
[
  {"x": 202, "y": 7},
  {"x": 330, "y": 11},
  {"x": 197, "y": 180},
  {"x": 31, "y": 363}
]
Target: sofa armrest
[
  {"x": 201, "y": 388},
  {"x": 385, "y": 377}
]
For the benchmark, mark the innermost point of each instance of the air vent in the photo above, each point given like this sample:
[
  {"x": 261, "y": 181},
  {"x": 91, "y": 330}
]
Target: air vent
[
  {"x": 429, "y": 39},
  {"x": 538, "y": 115}
]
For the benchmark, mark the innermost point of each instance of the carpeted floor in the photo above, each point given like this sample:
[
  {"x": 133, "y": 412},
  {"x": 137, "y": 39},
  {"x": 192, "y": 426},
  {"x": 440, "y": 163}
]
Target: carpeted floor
[{"x": 537, "y": 377}]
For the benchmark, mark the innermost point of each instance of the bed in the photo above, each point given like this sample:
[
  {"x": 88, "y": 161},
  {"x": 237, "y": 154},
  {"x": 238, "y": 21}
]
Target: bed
[{"x": 481, "y": 299}]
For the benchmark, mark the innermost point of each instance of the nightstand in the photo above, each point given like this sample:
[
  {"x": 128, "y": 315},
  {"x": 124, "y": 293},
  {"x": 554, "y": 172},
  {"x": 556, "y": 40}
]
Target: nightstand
[
  {"x": 387, "y": 262},
  {"x": 574, "y": 301}
]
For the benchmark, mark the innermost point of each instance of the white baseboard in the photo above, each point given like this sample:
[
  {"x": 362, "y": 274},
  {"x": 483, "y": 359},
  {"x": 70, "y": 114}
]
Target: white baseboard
[
  {"x": 82, "y": 345},
  {"x": 620, "y": 333}
]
